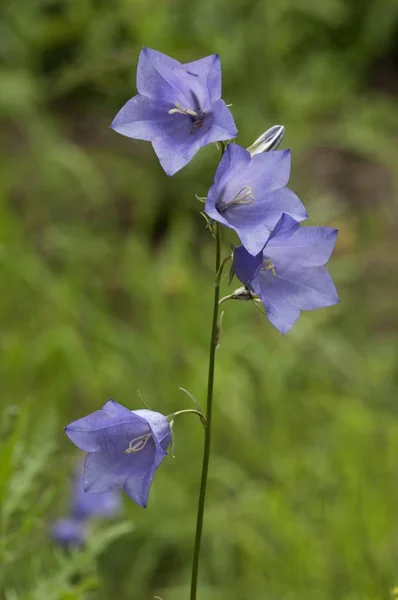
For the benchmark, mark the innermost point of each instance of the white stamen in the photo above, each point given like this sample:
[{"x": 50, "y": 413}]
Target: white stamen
[
  {"x": 182, "y": 111},
  {"x": 137, "y": 444}
]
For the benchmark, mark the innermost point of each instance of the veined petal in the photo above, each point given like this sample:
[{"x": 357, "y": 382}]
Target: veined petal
[
  {"x": 143, "y": 118},
  {"x": 279, "y": 310},
  {"x": 235, "y": 158},
  {"x": 224, "y": 127},
  {"x": 161, "y": 78},
  {"x": 109, "y": 468},
  {"x": 285, "y": 227},
  {"x": 270, "y": 170},
  {"x": 307, "y": 246},
  {"x": 88, "y": 433},
  {"x": 306, "y": 288},
  {"x": 254, "y": 221},
  {"x": 176, "y": 150},
  {"x": 138, "y": 485},
  {"x": 208, "y": 73}
]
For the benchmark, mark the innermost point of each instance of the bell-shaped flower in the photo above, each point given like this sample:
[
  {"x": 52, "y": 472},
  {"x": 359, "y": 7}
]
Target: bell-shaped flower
[
  {"x": 288, "y": 274},
  {"x": 68, "y": 532},
  {"x": 249, "y": 194},
  {"x": 124, "y": 449},
  {"x": 178, "y": 108}
]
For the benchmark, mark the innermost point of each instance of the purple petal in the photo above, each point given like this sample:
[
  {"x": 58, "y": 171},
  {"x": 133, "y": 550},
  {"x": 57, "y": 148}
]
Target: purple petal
[
  {"x": 87, "y": 433},
  {"x": 253, "y": 236},
  {"x": 142, "y": 118},
  {"x": 161, "y": 77},
  {"x": 210, "y": 207},
  {"x": 108, "y": 469},
  {"x": 264, "y": 173},
  {"x": 224, "y": 127},
  {"x": 306, "y": 288},
  {"x": 283, "y": 316},
  {"x": 68, "y": 532},
  {"x": 279, "y": 310},
  {"x": 306, "y": 246},
  {"x": 245, "y": 265},
  {"x": 285, "y": 227},
  {"x": 138, "y": 484},
  {"x": 177, "y": 149},
  {"x": 269, "y": 171},
  {"x": 235, "y": 158},
  {"x": 290, "y": 204},
  {"x": 159, "y": 426},
  {"x": 253, "y": 222},
  {"x": 262, "y": 177},
  {"x": 208, "y": 73}
]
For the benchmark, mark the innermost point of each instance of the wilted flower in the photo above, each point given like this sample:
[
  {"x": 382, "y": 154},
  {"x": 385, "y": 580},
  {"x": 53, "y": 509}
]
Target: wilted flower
[
  {"x": 178, "y": 108},
  {"x": 287, "y": 274},
  {"x": 86, "y": 505},
  {"x": 124, "y": 449},
  {"x": 249, "y": 194},
  {"x": 68, "y": 532}
]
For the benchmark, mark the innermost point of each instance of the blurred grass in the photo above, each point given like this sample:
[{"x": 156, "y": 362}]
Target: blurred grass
[{"x": 105, "y": 268}]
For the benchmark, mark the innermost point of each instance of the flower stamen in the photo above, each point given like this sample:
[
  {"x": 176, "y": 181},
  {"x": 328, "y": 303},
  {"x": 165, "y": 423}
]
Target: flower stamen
[
  {"x": 269, "y": 266},
  {"x": 198, "y": 118},
  {"x": 138, "y": 443},
  {"x": 244, "y": 196},
  {"x": 182, "y": 111}
]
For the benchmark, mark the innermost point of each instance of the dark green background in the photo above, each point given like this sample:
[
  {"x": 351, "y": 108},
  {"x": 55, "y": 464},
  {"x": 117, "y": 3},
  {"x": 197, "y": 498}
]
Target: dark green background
[{"x": 105, "y": 279}]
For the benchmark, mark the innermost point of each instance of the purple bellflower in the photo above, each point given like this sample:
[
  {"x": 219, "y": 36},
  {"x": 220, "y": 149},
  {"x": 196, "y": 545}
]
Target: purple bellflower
[
  {"x": 288, "y": 274},
  {"x": 124, "y": 449},
  {"x": 86, "y": 505},
  {"x": 68, "y": 533},
  {"x": 178, "y": 108},
  {"x": 249, "y": 194}
]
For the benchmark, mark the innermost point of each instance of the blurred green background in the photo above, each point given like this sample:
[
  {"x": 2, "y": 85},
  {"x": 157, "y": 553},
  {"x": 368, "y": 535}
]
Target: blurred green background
[{"x": 106, "y": 271}]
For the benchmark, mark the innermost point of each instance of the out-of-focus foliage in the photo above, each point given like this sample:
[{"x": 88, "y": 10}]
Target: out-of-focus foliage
[{"x": 105, "y": 275}]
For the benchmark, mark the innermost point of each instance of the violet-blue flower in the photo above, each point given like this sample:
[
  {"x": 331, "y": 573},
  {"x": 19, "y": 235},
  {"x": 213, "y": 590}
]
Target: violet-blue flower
[
  {"x": 249, "y": 194},
  {"x": 178, "y": 108},
  {"x": 124, "y": 449},
  {"x": 68, "y": 532},
  {"x": 288, "y": 274},
  {"x": 86, "y": 505}
]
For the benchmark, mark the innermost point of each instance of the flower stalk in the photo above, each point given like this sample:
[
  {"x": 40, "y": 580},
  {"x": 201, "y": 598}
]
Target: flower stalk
[{"x": 209, "y": 412}]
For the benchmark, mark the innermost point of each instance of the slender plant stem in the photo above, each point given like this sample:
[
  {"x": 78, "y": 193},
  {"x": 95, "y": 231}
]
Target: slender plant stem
[{"x": 209, "y": 407}]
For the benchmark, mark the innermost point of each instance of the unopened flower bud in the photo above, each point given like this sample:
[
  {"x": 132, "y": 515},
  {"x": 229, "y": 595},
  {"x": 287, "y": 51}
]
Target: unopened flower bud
[
  {"x": 242, "y": 293},
  {"x": 270, "y": 140}
]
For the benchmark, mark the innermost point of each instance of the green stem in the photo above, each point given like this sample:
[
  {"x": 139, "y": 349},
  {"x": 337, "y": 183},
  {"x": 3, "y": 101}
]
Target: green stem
[{"x": 209, "y": 407}]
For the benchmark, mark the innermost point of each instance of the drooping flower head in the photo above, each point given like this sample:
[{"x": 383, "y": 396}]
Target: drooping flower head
[
  {"x": 249, "y": 194},
  {"x": 86, "y": 505},
  {"x": 124, "y": 449},
  {"x": 68, "y": 532},
  {"x": 178, "y": 108},
  {"x": 288, "y": 274}
]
